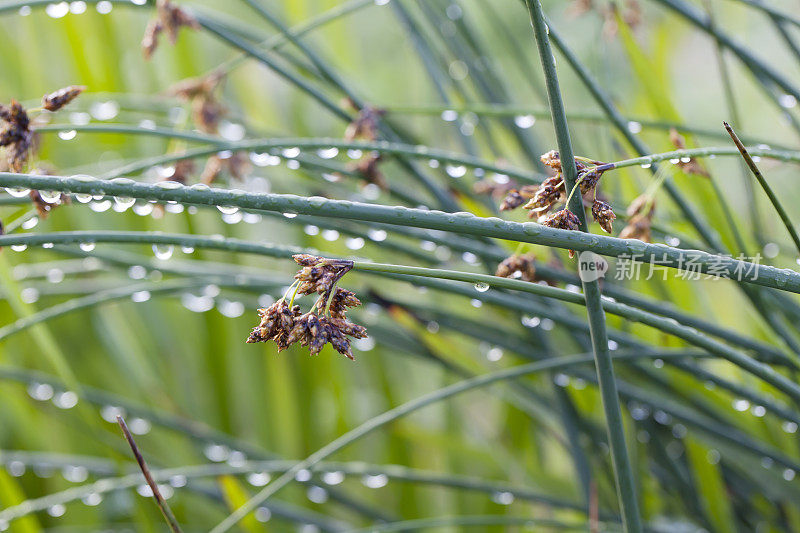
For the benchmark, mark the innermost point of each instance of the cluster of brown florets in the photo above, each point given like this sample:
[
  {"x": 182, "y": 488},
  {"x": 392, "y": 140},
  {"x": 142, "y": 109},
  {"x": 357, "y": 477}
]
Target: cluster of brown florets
[
  {"x": 326, "y": 322},
  {"x": 170, "y": 18},
  {"x": 542, "y": 199},
  {"x": 640, "y": 219},
  {"x": 630, "y": 12},
  {"x": 365, "y": 126},
  {"x": 17, "y": 136},
  {"x": 207, "y": 112},
  {"x": 518, "y": 267}
]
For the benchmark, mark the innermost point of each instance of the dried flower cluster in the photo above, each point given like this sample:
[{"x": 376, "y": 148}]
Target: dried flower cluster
[
  {"x": 518, "y": 267},
  {"x": 17, "y": 136},
  {"x": 688, "y": 165},
  {"x": 207, "y": 111},
  {"x": 552, "y": 191},
  {"x": 631, "y": 14},
  {"x": 365, "y": 127},
  {"x": 60, "y": 98},
  {"x": 170, "y": 18},
  {"x": 326, "y": 322},
  {"x": 641, "y": 218}
]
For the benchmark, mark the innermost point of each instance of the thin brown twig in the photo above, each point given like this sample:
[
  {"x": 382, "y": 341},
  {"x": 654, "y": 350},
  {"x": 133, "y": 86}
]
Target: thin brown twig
[
  {"x": 764, "y": 185},
  {"x": 160, "y": 501}
]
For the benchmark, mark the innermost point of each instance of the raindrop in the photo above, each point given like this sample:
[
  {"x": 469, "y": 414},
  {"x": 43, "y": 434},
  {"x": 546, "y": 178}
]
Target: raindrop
[
  {"x": 19, "y": 247},
  {"x": 310, "y": 229},
  {"x": 787, "y": 101},
  {"x": 354, "y": 154},
  {"x": 230, "y": 309},
  {"x": 524, "y": 121},
  {"x": 16, "y": 468},
  {"x": 75, "y": 473},
  {"x": 124, "y": 202},
  {"x": 290, "y": 153},
  {"x": 217, "y": 452},
  {"x": 375, "y": 481},
  {"x": 83, "y": 198},
  {"x": 57, "y": 509},
  {"x": 303, "y": 475},
  {"x": 330, "y": 235},
  {"x": 162, "y": 251},
  {"x": 104, "y": 110},
  {"x": 29, "y": 295},
  {"x": 232, "y": 218},
  {"x": 503, "y": 498},
  {"x": 57, "y": 11},
  {"x": 143, "y": 210},
  {"x": 258, "y": 479},
  {"x": 197, "y": 304},
  {"x": 364, "y": 345},
  {"x": 92, "y": 499},
  {"x": 354, "y": 243},
  {"x": 448, "y": 115},
  {"x": 469, "y": 257},
  {"x": 24, "y": 11},
  {"x": 87, "y": 246},
  {"x": 455, "y": 171},
  {"x": 18, "y": 193},
  {"x": 100, "y": 207},
  {"x": 231, "y": 131},
  {"x": 789, "y": 427},
  {"x": 139, "y": 426},
  {"x": 788, "y": 474},
  {"x": 65, "y": 400},
  {"x": 317, "y": 494},
  {"x": 109, "y": 413},
  {"x": 328, "y": 153},
  {"x": 263, "y": 514},
  {"x": 495, "y": 354},
  {"x": 634, "y": 127},
  {"x": 377, "y": 235},
  {"x": 290, "y": 215},
  {"x": 67, "y": 135},
  {"x": 40, "y": 391},
  {"x": 178, "y": 481},
  {"x": 140, "y": 296},
  {"x": 333, "y": 478},
  {"x": 137, "y": 272},
  {"x": 481, "y": 287},
  {"x": 51, "y": 197},
  {"x": 30, "y": 223},
  {"x": 187, "y": 249},
  {"x": 475, "y": 303}
]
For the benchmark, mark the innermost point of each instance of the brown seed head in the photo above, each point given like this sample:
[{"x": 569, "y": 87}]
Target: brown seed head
[
  {"x": 56, "y": 100},
  {"x": 563, "y": 219},
  {"x": 603, "y": 214},
  {"x": 518, "y": 267}
]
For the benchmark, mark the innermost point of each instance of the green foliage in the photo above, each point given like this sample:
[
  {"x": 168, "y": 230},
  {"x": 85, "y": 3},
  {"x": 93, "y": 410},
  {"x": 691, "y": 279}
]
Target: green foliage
[{"x": 371, "y": 130}]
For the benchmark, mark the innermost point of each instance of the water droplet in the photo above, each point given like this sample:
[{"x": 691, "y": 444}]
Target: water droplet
[
  {"x": 162, "y": 251},
  {"x": 67, "y": 135},
  {"x": 333, "y": 478},
  {"x": 40, "y": 391},
  {"x": 354, "y": 243},
  {"x": 19, "y": 247},
  {"x": 290, "y": 153},
  {"x": 57, "y": 11},
  {"x": 124, "y": 201},
  {"x": 377, "y": 235},
  {"x": 140, "y": 296},
  {"x": 92, "y": 499},
  {"x": 230, "y": 309},
  {"x": 448, "y": 115},
  {"x": 65, "y": 400},
  {"x": 375, "y": 481},
  {"x": 258, "y": 479},
  {"x": 741, "y": 405},
  {"x": 303, "y": 475},
  {"x": 87, "y": 246},
  {"x": 100, "y": 207},
  {"x": 263, "y": 514},
  {"x": 51, "y": 197},
  {"x": 503, "y": 498},
  {"x": 328, "y": 153},
  {"x": 524, "y": 121},
  {"x": 787, "y": 101},
  {"x": 58, "y": 509},
  {"x": 481, "y": 287},
  {"x": 455, "y": 171},
  {"x": 231, "y": 131},
  {"x": 634, "y": 127},
  {"x": 30, "y": 223},
  {"x": 494, "y": 354},
  {"x": 197, "y": 304},
  {"x": 330, "y": 235},
  {"x": 18, "y": 193},
  {"x": 75, "y": 473},
  {"x": 217, "y": 452},
  {"x": 139, "y": 426}
]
